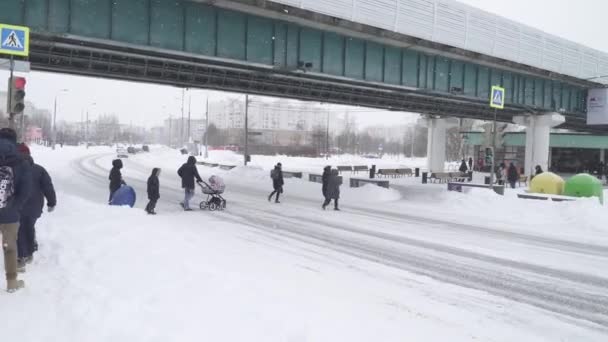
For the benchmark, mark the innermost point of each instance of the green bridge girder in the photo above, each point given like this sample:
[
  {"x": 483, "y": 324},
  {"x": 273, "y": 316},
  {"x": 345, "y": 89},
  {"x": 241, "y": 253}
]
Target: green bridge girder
[{"x": 202, "y": 29}]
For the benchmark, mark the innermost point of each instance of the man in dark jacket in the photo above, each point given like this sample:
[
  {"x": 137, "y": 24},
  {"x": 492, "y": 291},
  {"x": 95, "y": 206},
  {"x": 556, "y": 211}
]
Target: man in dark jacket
[
  {"x": 277, "y": 182},
  {"x": 188, "y": 172},
  {"x": 115, "y": 177},
  {"x": 153, "y": 191},
  {"x": 333, "y": 190},
  {"x": 325, "y": 180},
  {"x": 512, "y": 175},
  {"x": 15, "y": 184},
  {"x": 42, "y": 187}
]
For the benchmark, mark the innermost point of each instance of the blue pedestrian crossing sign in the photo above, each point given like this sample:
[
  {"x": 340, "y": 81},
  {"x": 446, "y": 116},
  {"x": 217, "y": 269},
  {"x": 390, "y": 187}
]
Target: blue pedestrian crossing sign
[
  {"x": 14, "y": 40},
  {"x": 497, "y": 99}
]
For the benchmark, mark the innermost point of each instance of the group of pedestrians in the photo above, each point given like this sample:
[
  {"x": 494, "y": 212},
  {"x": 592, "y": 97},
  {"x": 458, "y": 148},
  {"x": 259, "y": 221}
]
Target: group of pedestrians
[
  {"x": 187, "y": 172},
  {"x": 24, "y": 186},
  {"x": 330, "y": 188}
]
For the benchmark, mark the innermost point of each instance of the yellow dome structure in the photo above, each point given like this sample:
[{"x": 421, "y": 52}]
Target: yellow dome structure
[{"x": 547, "y": 183}]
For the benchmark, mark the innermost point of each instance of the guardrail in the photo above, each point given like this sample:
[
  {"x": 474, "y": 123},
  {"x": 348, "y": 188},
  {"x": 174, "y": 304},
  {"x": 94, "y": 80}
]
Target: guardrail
[
  {"x": 358, "y": 182},
  {"x": 316, "y": 178}
]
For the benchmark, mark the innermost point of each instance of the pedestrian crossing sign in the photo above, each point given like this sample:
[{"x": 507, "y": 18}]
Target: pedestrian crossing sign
[
  {"x": 14, "y": 40},
  {"x": 497, "y": 99}
]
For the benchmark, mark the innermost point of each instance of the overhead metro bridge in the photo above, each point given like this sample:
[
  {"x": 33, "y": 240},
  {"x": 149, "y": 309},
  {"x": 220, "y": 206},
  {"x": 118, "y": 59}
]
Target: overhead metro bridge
[{"x": 267, "y": 48}]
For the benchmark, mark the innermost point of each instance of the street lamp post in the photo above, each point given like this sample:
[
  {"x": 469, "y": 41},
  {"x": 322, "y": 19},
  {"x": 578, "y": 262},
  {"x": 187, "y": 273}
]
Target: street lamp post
[
  {"x": 86, "y": 127},
  {"x": 246, "y": 128},
  {"x": 55, "y": 117}
]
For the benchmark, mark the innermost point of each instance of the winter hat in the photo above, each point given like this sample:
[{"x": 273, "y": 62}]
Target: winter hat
[
  {"x": 8, "y": 134},
  {"x": 23, "y": 149}
]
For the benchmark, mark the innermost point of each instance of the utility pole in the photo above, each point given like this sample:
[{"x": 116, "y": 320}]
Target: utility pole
[
  {"x": 86, "y": 131},
  {"x": 327, "y": 137},
  {"x": 189, "y": 115},
  {"x": 246, "y": 127},
  {"x": 181, "y": 128},
  {"x": 207, "y": 130}
]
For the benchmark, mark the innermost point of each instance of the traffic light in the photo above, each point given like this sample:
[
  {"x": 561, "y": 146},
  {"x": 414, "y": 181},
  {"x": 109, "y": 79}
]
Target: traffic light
[
  {"x": 16, "y": 100},
  {"x": 489, "y": 156}
]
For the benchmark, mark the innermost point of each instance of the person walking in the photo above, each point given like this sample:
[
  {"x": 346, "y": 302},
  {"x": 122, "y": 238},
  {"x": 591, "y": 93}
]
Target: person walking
[
  {"x": 470, "y": 163},
  {"x": 188, "y": 173},
  {"x": 153, "y": 189},
  {"x": 463, "y": 167},
  {"x": 277, "y": 182},
  {"x": 115, "y": 177},
  {"x": 325, "y": 180},
  {"x": 15, "y": 182},
  {"x": 333, "y": 190},
  {"x": 512, "y": 175},
  {"x": 42, "y": 188}
]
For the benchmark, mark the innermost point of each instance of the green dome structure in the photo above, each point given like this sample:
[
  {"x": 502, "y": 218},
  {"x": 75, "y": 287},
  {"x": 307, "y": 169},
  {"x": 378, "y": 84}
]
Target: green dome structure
[{"x": 584, "y": 185}]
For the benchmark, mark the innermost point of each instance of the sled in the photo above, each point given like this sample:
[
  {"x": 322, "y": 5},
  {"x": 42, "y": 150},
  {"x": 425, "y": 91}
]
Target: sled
[{"x": 124, "y": 196}]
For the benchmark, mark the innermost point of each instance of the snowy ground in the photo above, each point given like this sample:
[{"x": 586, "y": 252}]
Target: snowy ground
[{"x": 411, "y": 263}]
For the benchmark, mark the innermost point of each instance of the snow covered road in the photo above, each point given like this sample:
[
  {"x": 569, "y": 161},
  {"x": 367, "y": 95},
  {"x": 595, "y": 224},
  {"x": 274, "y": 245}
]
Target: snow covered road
[
  {"x": 402, "y": 241},
  {"x": 383, "y": 269}
]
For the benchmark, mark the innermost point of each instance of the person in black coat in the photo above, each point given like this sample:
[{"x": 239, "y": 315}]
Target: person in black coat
[
  {"x": 153, "y": 191},
  {"x": 512, "y": 175},
  {"x": 463, "y": 166},
  {"x": 277, "y": 182},
  {"x": 325, "y": 180},
  {"x": 333, "y": 190},
  {"x": 538, "y": 170},
  {"x": 188, "y": 172},
  {"x": 115, "y": 177},
  {"x": 470, "y": 164},
  {"x": 42, "y": 188}
]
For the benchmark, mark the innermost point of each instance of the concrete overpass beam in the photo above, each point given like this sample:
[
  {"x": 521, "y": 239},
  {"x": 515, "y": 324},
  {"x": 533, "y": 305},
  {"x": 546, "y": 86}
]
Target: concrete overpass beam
[
  {"x": 435, "y": 150},
  {"x": 538, "y": 130}
]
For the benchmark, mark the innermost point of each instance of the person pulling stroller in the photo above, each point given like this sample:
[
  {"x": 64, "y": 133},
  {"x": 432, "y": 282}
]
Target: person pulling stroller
[
  {"x": 277, "y": 182},
  {"x": 188, "y": 172},
  {"x": 333, "y": 190}
]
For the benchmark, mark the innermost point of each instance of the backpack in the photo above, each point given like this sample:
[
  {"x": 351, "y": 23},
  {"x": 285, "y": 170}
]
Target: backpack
[
  {"x": 7, "y": 185},
  {"x": 274, "y": 174}
]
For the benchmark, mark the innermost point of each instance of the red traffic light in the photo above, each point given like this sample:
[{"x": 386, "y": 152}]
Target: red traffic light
[{"x": 19, "y": 82}]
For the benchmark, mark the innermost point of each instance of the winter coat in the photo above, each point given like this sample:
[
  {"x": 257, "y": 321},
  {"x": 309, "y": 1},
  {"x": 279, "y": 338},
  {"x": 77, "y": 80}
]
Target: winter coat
[
  {"x": 115, "y": 176},
  {"x": 333, "y": 185},
  {"x": 42, "y": 187},
  {"x": 463, "y": 166},
  {"x": 153, "y": 185},
  {"x": 512, "y": 174},
  {"x": 277, "y": 179},
  {"x": 22, "y": 181},
  {"x": 325, "y": 180},
  {"x": 188, "y": 172}
]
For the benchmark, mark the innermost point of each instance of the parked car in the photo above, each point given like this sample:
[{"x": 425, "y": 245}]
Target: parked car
[
  {"x": 121, "y": 153},
  {"x": 131, "y": 150},
  {"x": 145, "y": 148}
]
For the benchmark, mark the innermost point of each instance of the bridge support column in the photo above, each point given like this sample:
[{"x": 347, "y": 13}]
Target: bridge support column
[
  {"x": 435, "y": 150},
  {"x": 538, "y": 133}
]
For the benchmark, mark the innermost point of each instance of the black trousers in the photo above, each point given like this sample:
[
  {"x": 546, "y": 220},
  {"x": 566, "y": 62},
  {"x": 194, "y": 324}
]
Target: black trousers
[
  {"x": 278, "y": 192},
  {"x": 328, "y": 200},
  {"x": 151, "y": 205},
  {"x": 26, "y": 239}
]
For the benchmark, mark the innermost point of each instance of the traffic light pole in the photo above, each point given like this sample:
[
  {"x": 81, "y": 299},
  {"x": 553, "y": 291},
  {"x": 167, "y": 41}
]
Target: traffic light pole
[
  {"x": 11, "y": 116},
  {"x": 493, "y": 170}
]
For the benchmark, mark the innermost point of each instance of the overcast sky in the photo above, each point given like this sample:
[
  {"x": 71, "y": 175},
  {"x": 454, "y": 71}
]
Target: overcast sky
[{"x": 581, "y": 21}]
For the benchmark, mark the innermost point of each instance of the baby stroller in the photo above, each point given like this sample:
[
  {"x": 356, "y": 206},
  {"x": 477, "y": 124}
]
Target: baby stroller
[{"x": 213, "y": 190}]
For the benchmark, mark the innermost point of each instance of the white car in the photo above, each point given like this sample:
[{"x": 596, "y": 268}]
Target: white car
[{"x": 121, "y": 153}]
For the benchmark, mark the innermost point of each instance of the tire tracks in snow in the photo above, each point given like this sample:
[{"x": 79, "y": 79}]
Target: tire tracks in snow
[{"x": 571, "y": 294}]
